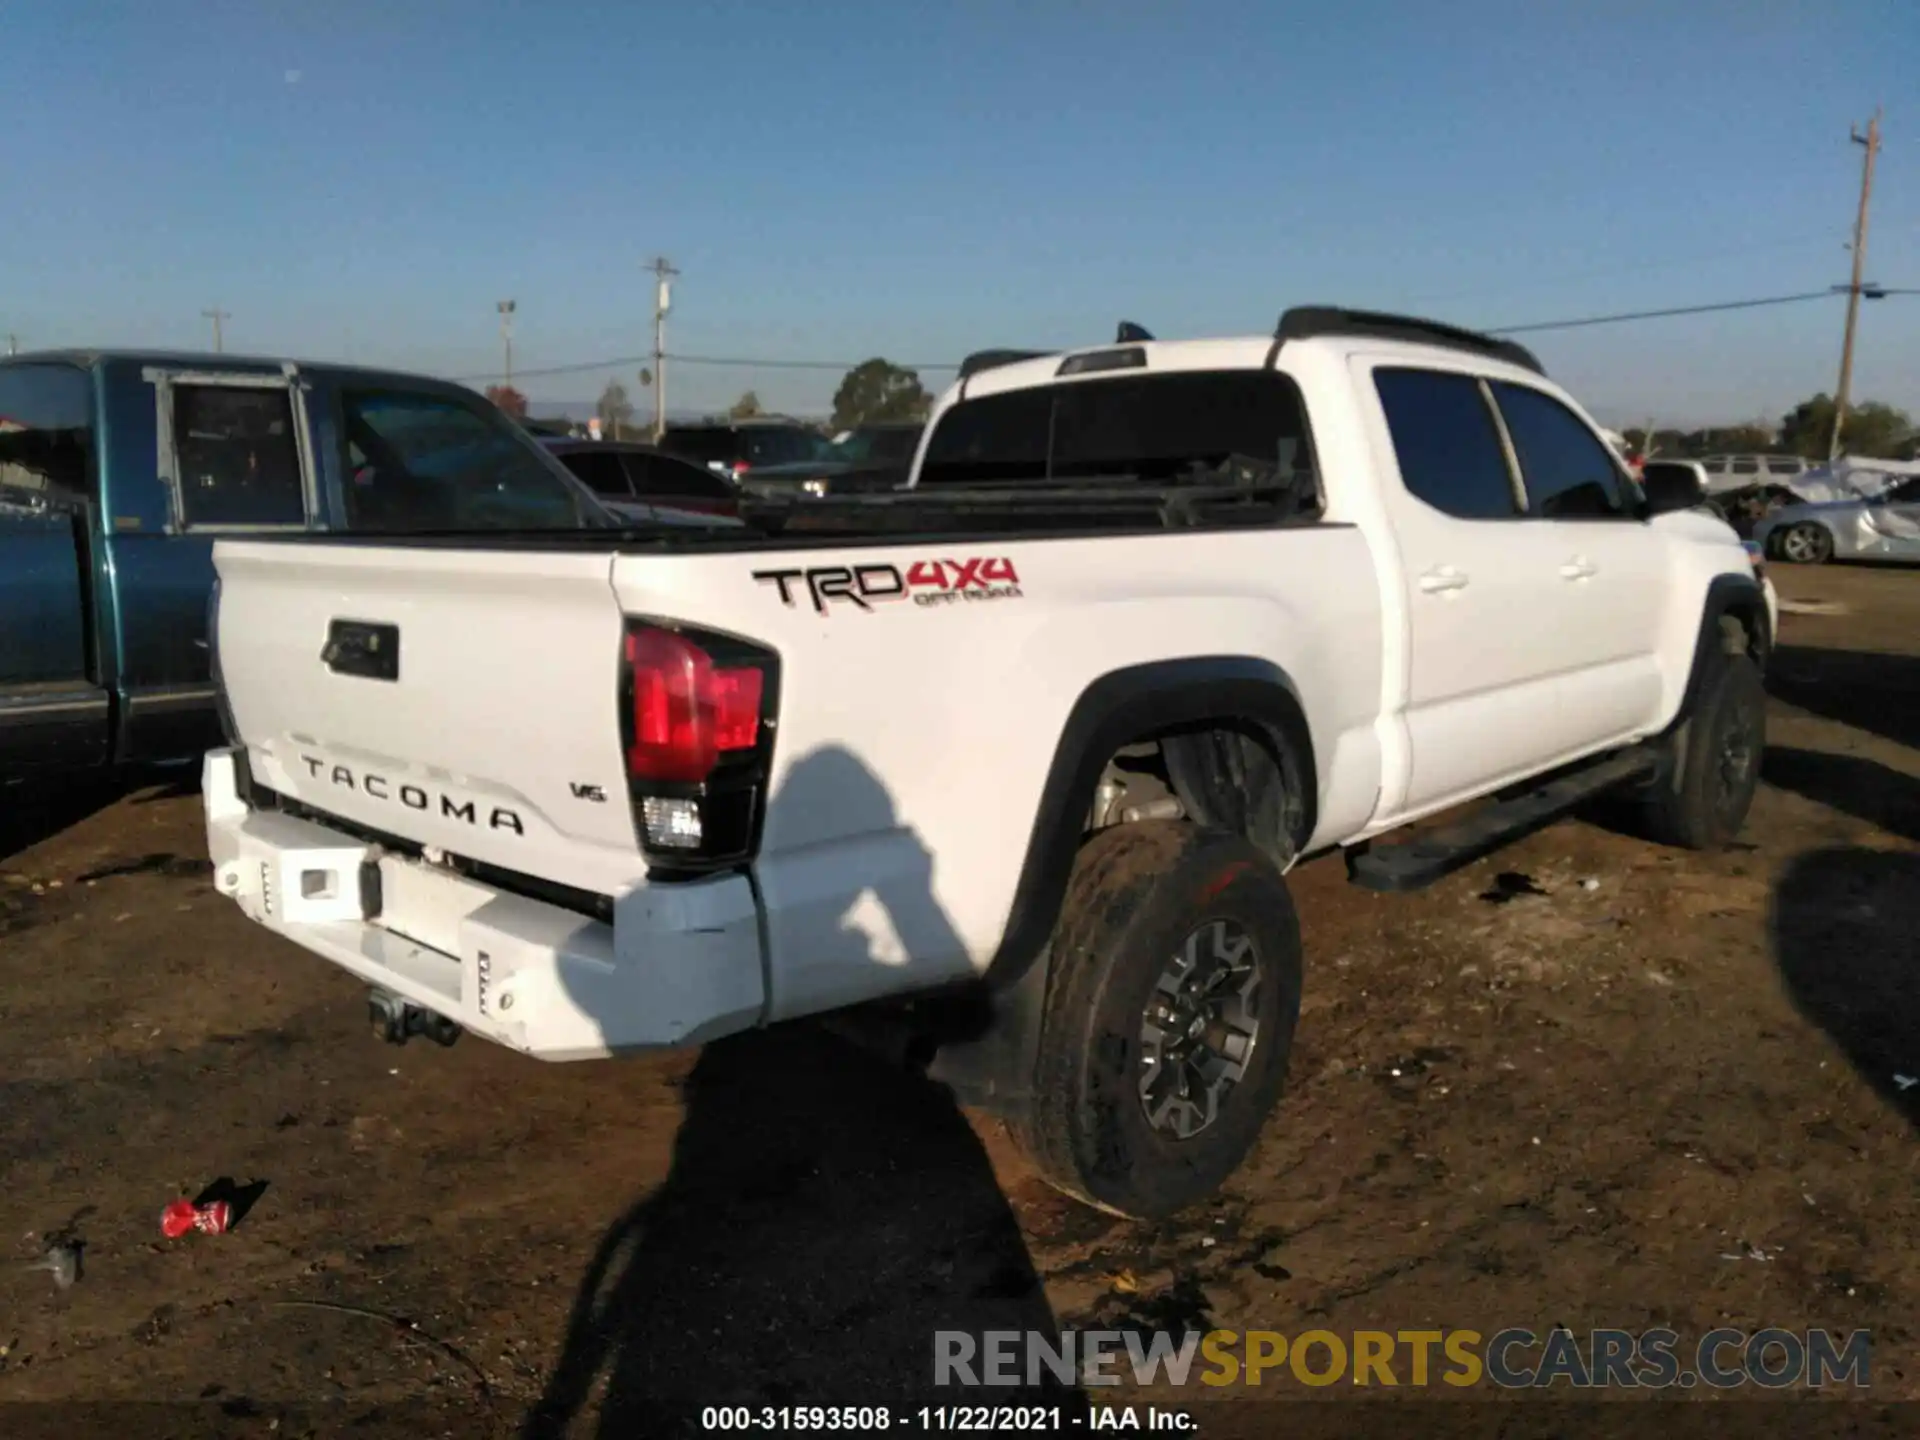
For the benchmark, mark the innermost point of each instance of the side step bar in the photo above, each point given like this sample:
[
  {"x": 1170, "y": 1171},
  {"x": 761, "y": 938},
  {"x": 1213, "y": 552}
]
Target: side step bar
[{"x": 1416, "y": 863}]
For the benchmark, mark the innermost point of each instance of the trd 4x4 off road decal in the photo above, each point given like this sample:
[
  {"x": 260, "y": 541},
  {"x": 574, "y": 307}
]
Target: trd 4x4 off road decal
[{"x": 924, "y": 582}]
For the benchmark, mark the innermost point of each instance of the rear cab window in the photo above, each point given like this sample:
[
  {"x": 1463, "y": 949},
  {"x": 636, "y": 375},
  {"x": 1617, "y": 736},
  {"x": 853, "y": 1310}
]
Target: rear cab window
[
  {"x": 706, "y": 444},
  {"x": 1151, "y": 428},
  {"x": 773, "y": 446},
  {"x": 237, "y": 457},
  {"x": 423, "y": 461}
]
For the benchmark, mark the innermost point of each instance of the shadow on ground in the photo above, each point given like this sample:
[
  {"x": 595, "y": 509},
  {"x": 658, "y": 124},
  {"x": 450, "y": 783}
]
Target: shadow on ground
[
  {"x": 1852, "y": 784},
  {"x": 1872, "y": 692},
  {"x": 826, "y": 1213},
  {"x": 41, "y": 806},
  {"x": 1845, "y": 928}
]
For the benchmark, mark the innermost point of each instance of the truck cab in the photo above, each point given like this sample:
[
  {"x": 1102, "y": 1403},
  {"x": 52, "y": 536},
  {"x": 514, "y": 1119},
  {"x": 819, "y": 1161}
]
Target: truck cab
[{"x": 119, "y": 469}]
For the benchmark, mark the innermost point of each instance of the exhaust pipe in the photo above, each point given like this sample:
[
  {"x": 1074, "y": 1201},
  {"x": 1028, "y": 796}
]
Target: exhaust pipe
[{"x": 397, "y": 1020}]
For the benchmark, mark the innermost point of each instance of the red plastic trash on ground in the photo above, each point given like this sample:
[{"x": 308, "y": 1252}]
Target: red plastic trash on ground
[{"x": 183, "y": 1216}]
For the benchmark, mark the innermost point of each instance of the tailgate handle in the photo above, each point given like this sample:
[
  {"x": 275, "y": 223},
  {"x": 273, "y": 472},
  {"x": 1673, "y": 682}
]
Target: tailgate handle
[{"x": 363, "y": 648}]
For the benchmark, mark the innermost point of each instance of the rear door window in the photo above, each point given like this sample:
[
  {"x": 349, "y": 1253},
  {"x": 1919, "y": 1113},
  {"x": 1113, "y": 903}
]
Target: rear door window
[
  {"x": 1150, "y": 428},
  {"x": 428, "y": 462},
  {"x": 1784, "y": 467},
  {"x": 1446, "y": 443}
]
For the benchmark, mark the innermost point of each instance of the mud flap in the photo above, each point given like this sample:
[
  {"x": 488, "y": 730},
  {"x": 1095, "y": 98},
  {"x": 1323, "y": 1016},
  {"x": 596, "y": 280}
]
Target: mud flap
[{"x": 986, "y": 1041}]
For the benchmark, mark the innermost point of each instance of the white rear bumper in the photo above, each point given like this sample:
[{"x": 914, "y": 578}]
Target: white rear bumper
[{"x": 679, "y": 965}]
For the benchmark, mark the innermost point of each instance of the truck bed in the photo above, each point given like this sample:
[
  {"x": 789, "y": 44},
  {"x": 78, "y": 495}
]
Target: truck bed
[{"x": 1020, "y": 509}]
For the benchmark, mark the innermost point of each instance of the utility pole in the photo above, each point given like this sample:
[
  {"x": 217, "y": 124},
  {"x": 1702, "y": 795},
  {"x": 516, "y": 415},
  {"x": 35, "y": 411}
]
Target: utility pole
[
  {"x": 13, "y": 343},
  {"x": 506, "y": 309},
  {"x": 1871, "y": 143},
  {"x": 217, "y": 315},
  {"x": 663, "y": 271}
]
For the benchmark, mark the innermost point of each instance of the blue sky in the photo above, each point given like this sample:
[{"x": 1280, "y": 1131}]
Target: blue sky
[{"x": 918, "y": 180}]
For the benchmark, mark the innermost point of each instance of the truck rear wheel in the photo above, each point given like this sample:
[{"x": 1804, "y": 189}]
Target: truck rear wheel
[{"x": 1172, "y": 992}]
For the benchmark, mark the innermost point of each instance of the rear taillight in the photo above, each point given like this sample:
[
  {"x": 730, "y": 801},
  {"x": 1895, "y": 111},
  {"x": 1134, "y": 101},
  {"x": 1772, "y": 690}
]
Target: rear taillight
[
  {"x": 697, "y": 716},
  {"x": 740, "y": 467}
]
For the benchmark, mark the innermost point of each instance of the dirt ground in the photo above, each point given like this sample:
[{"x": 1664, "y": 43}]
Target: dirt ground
[{"x": 1622, "y": 1086}]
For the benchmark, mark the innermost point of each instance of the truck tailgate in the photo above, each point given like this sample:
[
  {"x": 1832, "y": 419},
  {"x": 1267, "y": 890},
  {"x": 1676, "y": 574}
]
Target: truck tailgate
[{"x": 462, "y": 700}]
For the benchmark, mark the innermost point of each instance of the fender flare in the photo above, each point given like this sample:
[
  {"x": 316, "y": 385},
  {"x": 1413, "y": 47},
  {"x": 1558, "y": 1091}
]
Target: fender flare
[
  {"x": 1118, "y": 708},
  {"x": 1741, "y": 597}
]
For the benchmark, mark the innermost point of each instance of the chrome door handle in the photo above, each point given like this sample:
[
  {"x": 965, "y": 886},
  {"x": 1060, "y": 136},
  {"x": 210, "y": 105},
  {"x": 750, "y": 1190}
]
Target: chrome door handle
[
  {"x": 1578, "y": 568},
  {"x": 1442, "y": 578}
]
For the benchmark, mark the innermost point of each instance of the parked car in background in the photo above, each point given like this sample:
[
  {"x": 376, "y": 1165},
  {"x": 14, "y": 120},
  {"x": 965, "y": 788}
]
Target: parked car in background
[
  {"x": 731, "y": 448},
  {"x": 1727, "y": 473},
  {"x": 864, "y": 459},
  {"x": 627, "y": 477},
  {"x": 1883, "y": 527},
  {"x": 119, "y": 468}
]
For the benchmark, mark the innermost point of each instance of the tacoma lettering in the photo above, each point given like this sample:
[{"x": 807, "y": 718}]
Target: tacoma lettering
[{"x": 379, "y": 787}]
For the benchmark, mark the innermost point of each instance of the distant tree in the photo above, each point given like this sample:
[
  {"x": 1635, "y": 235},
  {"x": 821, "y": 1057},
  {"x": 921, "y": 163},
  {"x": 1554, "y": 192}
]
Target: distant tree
[
  {"x": 614, "y": 409},
  {"x": 1871, "y": 428},
  {"x": 876, "y": 391},
  {"x": 746, "y": 407},
  {"x": 509, "y": 400}
]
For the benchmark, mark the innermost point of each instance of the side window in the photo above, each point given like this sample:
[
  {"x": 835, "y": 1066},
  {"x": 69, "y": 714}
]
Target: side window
[
  {"x": 1446, "y": 442},
  {"x": 429, "y": 462},
  {"x": 1569, "y": 474},
  {"x": 1716, "y": 466},
  {"x": 706, "y": 446},
  {"x": 46, "y": 436},
  {"x": 665, "y": 475},
  {"x": 236, "y": 455},
  {"x": 601, "y": 471},
  {"x": 1784, "y": 467},
  {"x": 1746, "y": 467}
]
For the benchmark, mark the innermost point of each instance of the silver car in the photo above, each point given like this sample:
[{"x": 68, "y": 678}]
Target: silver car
[{"x": 1885, "y": 527}]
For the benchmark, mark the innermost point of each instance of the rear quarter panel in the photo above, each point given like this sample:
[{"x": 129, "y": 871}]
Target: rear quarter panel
[{"x": 916, "y": 734}]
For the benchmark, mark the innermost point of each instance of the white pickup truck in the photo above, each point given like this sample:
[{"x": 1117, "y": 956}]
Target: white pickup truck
[{"x": 1034, "y": 743}]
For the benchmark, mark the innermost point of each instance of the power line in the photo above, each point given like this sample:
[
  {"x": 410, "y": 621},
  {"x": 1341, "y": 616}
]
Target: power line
[
  {"x": 619, "y": 362},
  {"x": 804, "y": 364},
  {"x": 1624, "y": 316}
]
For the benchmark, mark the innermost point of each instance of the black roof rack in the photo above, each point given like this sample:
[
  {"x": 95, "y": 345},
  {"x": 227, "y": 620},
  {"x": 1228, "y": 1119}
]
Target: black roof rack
[
  {"x": 1306, "y": 322},
  {"x": 993, "y": 359}
]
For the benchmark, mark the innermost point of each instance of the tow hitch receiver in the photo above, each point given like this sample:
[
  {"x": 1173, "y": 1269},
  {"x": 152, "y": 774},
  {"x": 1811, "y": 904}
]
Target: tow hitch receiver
[{"x": 397, "y": 1020}]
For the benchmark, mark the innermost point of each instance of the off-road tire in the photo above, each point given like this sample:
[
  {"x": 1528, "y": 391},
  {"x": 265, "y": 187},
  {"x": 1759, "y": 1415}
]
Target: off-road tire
[
  {"x": 1136, "y": 894},
  {"x": 1698, "y": 805}
]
